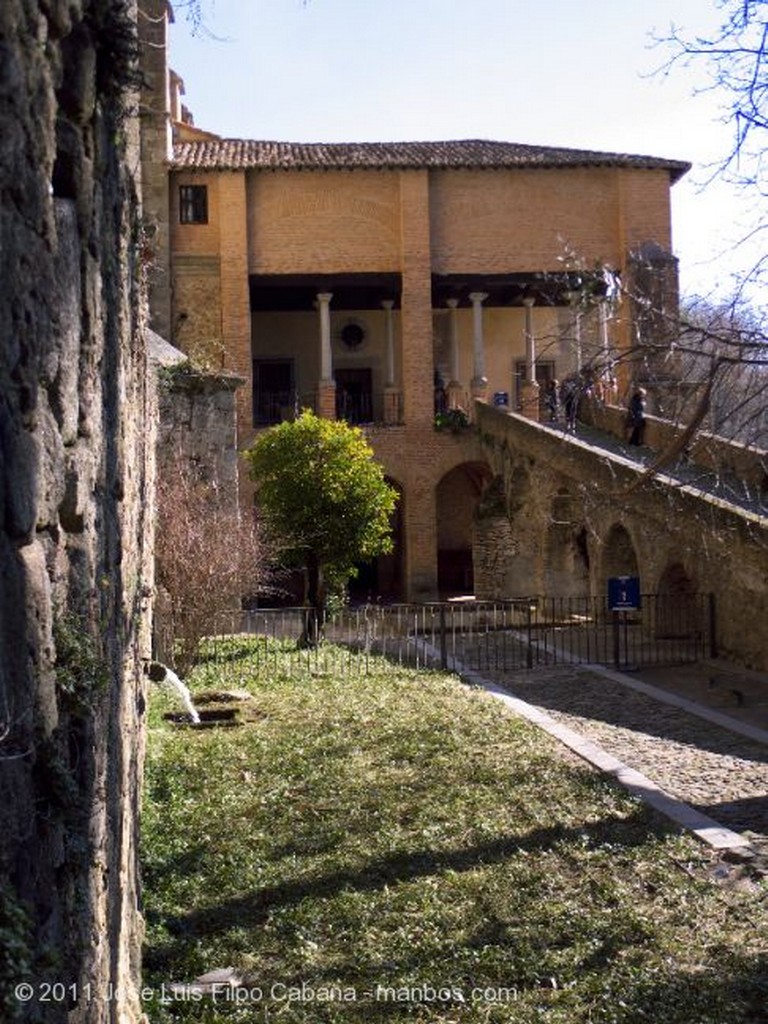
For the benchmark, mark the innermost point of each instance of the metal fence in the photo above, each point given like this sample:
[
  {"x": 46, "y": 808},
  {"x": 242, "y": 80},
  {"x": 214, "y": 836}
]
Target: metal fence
[{"x": 487, "y": 635}]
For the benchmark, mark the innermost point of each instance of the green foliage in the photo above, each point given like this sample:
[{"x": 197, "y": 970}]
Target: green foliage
[
  {"x": 192, "y": 376},
  {"x": 169, "y": 377},
  {"x": 81, "y": 673},
  {"x": 454, "y": 420},
  {"x": 322, "y": 495},
  {"x": 400, "y": 830},
  {"x": 16, "y": 952}
]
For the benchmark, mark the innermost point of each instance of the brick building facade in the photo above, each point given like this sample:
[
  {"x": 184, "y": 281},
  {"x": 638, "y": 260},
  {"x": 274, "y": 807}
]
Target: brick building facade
[{"x": 384, "y": 283}]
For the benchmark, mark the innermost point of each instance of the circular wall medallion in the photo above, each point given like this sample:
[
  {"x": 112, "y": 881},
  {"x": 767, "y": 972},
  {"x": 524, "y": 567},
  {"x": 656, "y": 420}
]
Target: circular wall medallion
[{"x": 352, "y": 334}]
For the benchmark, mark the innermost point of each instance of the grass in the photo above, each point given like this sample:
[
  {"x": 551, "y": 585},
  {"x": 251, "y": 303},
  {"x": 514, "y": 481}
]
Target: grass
[{"x": 395, "y": 847}]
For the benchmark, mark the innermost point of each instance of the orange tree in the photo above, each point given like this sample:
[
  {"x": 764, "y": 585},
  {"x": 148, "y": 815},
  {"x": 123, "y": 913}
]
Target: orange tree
[{"x": 324, "y": 498}]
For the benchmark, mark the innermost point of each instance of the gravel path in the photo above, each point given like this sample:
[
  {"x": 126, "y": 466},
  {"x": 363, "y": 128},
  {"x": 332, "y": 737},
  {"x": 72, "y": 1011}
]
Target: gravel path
[{"x": 719, "y": 772}]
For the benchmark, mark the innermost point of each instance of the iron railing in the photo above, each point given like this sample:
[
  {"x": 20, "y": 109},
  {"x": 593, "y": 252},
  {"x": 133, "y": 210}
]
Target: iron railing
[
  {"x": 486, "y": 635},
  {"x": 272, "y": 407}
]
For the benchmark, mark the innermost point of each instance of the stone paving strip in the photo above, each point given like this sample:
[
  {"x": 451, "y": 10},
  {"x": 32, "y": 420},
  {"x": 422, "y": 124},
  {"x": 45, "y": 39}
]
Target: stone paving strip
[{"x": 720, "y": 773}]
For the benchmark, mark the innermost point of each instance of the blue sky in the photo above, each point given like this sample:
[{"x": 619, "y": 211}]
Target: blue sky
[{"x": 554, "y": 72}]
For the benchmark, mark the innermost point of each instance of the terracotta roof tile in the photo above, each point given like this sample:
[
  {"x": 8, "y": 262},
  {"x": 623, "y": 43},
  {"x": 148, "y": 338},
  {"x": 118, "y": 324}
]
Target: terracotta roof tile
[{"x": 245, "y": 154}]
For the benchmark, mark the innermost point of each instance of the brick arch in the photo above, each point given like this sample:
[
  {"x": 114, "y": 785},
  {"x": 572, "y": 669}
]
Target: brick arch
[{"x": 457, "y": 497}]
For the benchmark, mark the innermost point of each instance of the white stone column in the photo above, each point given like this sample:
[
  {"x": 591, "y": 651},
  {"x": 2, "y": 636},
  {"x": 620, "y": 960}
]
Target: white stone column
[
  {"x": 388, "y": 305},
  {"x": 392, "y": 395},
  {"x": 325, "y": 405},
  {"x": 455, "y": 390},
  {"x": 574, "y": 302},
  {"x": 607, "y": 380},
  {"x": 477, "y": 299},
  {"x": 602, "y": 309},
  {"x": 326, "y": 356},
  {"x": 453, "y": 338},
  {"x": 529, "y": 392},
  {"x": 530, "y": 342}
]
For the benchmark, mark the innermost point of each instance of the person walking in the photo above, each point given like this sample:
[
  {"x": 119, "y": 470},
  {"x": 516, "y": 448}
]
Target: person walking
[
  {"x": 569, "y": 396},
  {"x": 552, "y": 400},
  {"x": 637, "y": 416}
]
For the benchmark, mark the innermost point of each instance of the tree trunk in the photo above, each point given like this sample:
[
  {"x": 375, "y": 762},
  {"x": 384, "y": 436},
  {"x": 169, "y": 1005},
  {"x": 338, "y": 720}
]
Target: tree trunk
[{"x": 314, "y": 620}]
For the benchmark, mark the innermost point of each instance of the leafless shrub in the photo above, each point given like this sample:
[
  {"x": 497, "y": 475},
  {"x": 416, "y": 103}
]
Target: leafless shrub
[{"x": 211, "y": 555}]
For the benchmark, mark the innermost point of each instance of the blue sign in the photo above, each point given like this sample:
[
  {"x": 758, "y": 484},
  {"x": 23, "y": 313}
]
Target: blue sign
[{"x": 624, "y": 593}]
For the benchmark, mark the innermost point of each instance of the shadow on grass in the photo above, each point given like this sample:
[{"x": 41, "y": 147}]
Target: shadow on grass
[
  {"x": 727, "y": 989},
  {"x": 181, "y": 865},
  {"x": 252, "y": 910},
  {"x": 230, "y": 652}
]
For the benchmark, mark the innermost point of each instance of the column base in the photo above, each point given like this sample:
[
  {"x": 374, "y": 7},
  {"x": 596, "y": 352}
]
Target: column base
[
  {"x": 529, "y": 400},
  {"x": 478, "y": 388},
  {"x": 326, "y": 399},
  {"x": 393, "y": 405},
  {"x": 456, "y": 395}
]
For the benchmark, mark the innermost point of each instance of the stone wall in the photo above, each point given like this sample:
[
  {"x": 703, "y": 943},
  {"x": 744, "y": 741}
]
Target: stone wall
[
  {"x": 76, "y": 511},
  {"x": 198, "y": 427},
  {"x": 565, "y": 505}
]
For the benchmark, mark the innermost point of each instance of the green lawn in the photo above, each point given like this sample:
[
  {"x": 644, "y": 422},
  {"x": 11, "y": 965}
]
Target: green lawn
[{"x": 395, "y": 847}]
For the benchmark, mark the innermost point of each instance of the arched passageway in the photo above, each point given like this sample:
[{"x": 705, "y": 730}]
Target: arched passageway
[
  {"x": 678, "y": 611},
  {"x": 456, "y": 497},
  {"x": 619, "y": 557}
]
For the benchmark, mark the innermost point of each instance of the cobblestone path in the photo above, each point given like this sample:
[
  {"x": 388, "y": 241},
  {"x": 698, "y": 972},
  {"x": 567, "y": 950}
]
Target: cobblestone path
[{"x": 719, "y": 772}]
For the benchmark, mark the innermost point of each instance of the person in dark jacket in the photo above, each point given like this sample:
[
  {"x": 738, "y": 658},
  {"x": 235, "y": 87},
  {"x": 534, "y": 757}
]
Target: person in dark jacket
[
  {"x": 552, "y": 400},
  {"x": 637, "y": 416},
  {"x": 569, "y": 397}
]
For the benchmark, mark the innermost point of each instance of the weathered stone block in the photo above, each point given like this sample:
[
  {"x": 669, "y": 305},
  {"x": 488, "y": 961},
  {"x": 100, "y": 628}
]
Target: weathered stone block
[
  {"x": 80, "y": 482},
  {"x": 39, "y": 639},
  {"x": 51, "y": 483},
  {"x": 22, "y": 472}
]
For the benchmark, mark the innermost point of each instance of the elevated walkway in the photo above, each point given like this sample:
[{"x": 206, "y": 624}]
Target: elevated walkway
[{"x": 724, "y": 484}]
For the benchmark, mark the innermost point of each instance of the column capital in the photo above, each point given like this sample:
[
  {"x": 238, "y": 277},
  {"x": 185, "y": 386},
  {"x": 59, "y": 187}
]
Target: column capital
[
  {"x": 452, "y": 303},
  {"x": 324, "y": 297},
  {"x": 477, "y": 297},
  {"x": 388, "y": 304},
  {"x": 529, "y": 302}
]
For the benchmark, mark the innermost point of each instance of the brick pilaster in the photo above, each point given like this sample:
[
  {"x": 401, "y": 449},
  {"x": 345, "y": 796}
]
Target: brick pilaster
[
  {"x": 416, "y": 299},
  {"x": 235, "y": 298}
]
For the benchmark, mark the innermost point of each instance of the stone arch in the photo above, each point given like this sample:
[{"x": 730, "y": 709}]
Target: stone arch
[
  {"x": 492, "y": 541},
  {"x": 619, "y": 555},
  {"x": 566, "y": 548},
  {"x": 677, "y": 605},
  {"x": 457, "y": 496}
]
